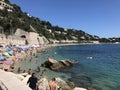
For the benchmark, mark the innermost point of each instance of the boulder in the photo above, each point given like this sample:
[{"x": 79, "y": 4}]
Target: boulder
[
  {"x": 10, "y": 82},
  {"x": 20, "y": 77},
  {"x": 2, "y": 86},
  {"x": 26, "y": 79},
  {"x": 66, "y": 63},
  {"x": 55, "y": 65},
  {"x": 24, "y": 74},
  {"x": 52, "y": 60},
  {"x": 43, "y": 83},
  {"x": 65, "y": 85},
  {"x": 78, "y": 88}
]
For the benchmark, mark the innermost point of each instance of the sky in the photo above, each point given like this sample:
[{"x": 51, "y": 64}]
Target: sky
[{"x": 96, "y": 17}]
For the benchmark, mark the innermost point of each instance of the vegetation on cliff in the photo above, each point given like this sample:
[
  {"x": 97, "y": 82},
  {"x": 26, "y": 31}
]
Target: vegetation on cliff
[{"x": 11, "y": 20}]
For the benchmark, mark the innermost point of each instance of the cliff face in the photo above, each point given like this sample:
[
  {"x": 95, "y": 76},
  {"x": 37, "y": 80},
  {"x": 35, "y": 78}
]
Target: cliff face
[
  {"x": 23, "y": 37},
  {"x": 31, "y": 37}
]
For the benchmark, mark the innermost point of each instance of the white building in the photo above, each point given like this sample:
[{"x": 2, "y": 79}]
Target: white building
[{"x": 4, "y": 5}]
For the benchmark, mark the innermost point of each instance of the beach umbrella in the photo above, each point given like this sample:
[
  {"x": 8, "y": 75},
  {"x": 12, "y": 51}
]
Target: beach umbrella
[
  {"x": 2, "y": 57},
  {"x": 7, "y": 63},
  {"x": 10, "y": 52},
  {"x": 6, "y": 54},
  {"x": 7, "y": 49}
]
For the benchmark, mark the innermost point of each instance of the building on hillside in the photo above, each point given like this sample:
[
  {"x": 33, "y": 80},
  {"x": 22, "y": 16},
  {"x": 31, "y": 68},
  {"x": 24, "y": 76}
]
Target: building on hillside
[
  {"x": 4, "y": 5},
  {"x": 95, "y": 42},
  {"x": 58, "y": 32},
  {"x": 49, "y": 30}
]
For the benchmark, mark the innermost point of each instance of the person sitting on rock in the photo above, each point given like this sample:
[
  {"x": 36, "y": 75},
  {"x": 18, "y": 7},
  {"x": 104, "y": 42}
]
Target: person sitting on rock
[{"x": 53, "y": 85}]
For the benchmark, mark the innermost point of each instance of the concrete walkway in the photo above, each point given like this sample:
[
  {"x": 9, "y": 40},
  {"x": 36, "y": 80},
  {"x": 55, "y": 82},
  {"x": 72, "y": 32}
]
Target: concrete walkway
[{"x": 9, "y": 81}]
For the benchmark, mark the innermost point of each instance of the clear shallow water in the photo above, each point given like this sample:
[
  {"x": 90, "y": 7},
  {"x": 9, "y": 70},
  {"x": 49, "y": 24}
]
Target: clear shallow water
[{"x": 98, "y": 65}]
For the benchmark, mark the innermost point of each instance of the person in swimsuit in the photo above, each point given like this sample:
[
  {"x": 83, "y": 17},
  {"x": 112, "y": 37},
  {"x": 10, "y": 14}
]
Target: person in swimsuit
[{"x": 53, "y": 85}]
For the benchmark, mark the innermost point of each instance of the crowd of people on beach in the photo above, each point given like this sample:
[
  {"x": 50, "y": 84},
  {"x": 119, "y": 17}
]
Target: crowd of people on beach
[{"x": 9, "y": 55}]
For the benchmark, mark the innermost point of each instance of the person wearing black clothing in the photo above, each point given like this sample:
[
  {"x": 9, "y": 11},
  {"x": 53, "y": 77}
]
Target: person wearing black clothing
[{"x": 32, "y": 81}]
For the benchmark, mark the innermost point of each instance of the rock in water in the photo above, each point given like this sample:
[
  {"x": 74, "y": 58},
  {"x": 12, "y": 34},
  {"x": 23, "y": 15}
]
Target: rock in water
[{"x": 55, "y": 65}]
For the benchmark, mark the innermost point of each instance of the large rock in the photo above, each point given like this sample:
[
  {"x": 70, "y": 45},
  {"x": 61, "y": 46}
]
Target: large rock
[
  {"x": 10, "y": 82},
  {"x": 26, "y": 79},
  {"x": 55, "y": 65},
  {"x": 43, "y": 83},
  {"x": 65, "y": 85},
  {"x": 78, "y": 88},
  {"x": 2, "y": 86}
]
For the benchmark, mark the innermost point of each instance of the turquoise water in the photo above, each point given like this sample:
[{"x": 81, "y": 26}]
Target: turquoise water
[{"x": 98, "y": 65}]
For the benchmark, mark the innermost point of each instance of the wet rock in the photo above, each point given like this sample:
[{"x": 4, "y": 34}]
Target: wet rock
[
  {"x": 82, "y": 81},
  {"x": 56, "y": 65}
]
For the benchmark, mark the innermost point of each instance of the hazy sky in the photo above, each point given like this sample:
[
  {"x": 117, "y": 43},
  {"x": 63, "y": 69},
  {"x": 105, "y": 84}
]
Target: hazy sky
[{"x": 96, "y": 17}]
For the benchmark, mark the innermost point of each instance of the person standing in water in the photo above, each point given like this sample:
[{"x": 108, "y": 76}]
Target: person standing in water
[
  {"x": 29, "y": 71},
  {"x": 18, "y": 71}
]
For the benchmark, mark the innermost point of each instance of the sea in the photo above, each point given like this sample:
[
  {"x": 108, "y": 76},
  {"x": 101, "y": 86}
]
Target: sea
[{"x": 98, "y": 65}]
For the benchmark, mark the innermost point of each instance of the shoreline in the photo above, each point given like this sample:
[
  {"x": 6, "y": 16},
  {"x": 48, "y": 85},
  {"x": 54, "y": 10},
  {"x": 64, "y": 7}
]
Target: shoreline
[
  {"x": 80, "y": 44},
  {"x": 17, "y": 58},
  {"x": 34, "y": 52}
]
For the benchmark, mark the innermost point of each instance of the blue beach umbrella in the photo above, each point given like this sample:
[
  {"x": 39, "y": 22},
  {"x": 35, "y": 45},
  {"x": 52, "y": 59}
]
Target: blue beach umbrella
[
  {"x": 10, "y": 52},
  {"x": 2, "y": 57}
]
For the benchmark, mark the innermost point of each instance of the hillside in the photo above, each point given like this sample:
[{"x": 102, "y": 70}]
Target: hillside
[{"x": 12, "y": 17}]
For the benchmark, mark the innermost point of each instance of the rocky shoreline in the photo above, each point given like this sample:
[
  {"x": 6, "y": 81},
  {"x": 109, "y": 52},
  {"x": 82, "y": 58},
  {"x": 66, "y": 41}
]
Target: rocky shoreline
[{"x": 23, "y": 78}]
